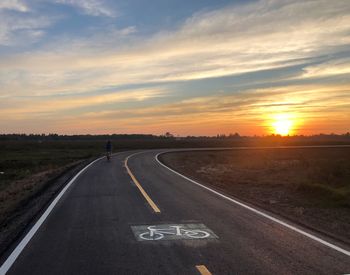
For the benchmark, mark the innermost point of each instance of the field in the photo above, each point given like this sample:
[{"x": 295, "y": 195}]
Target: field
[
  {"x": 21, "y": 159},
  {"x": 28, "y": 167},
  {"x": 310, "y": 186}
]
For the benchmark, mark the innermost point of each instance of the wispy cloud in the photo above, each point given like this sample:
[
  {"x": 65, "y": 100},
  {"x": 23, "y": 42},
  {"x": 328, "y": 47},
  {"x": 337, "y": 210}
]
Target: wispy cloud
[
  {"x": 15, "y": 30},
  {"x": 314, "y": 108},
  {"x": 91, "y": 7},
  {"x": 20, "y": 25},
  {"x": 31, "y": 105},
  {"x": 312, "y": 35},
  {"x": 234, "y": 40},
  {"x": 16, "y": 5},
  {"x": 330, "y": 68}
]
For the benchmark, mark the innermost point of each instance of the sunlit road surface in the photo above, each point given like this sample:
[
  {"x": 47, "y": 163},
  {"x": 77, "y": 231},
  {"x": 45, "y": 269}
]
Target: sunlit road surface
[{"x": 135, "y": 216}]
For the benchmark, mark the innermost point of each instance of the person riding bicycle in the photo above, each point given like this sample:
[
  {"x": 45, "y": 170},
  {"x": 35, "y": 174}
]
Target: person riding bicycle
[{"x": 109, "y": 149}]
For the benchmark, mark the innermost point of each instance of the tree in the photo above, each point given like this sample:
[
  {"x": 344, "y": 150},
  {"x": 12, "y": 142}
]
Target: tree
[{"x": 168, "y": 135}]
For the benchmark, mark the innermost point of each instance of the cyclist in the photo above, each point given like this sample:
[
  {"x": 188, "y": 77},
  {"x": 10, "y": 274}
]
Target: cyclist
[{"x": 109, "y": 149}]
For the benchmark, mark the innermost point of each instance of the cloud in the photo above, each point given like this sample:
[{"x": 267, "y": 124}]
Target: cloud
[
  {"x": 91, "y": 7},
  {"x": 16, "y": 30},
  {"x": 234, "y": 40},
  {"x": 15, "y": 5},
  {"x": 330, "y": 68},
  {"x": 314, "y": 107},
  {"x": 32, "y": 106},
  {"x": 20, "y": 24},
  {"x": 248, "y": 111},
  {"x": 28, "y": 24},
  {"x": 252, "y": 103}
]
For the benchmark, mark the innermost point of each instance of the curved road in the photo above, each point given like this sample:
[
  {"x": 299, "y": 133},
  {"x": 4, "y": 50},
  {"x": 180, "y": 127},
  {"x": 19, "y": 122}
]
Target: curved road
[{"x": 95, "y": 228}]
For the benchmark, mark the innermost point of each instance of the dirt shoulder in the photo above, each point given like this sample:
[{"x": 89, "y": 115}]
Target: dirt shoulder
[
  {"x": 308, "y": 186},
  {"x": 24, "y": 200}
]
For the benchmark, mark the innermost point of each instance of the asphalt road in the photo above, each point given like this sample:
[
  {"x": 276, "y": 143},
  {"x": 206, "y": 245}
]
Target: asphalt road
[{"x": 96, "y": 225}]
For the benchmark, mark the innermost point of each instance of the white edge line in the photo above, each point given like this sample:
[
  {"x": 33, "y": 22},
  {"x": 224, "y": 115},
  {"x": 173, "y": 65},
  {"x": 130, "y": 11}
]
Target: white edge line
[
  {"x": 339, "y": 249},
  {"x": 19, "y": 248}
]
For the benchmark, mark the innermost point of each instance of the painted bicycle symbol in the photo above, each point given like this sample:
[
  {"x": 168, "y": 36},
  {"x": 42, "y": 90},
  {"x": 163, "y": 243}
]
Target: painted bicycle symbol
[{"x": 155, "y": 234}]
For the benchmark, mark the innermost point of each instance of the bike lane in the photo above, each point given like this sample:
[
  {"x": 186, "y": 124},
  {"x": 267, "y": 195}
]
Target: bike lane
[
  {"x": 245, "y": 243},
  {"x": 89, "y": 231}
]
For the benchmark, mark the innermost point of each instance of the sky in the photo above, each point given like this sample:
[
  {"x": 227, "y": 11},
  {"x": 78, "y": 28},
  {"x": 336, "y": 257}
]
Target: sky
[{"x": 197, "y": 67}]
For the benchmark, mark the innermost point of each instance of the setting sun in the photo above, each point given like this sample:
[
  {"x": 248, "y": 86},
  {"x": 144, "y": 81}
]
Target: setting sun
[{"x": 283, "y": 125}]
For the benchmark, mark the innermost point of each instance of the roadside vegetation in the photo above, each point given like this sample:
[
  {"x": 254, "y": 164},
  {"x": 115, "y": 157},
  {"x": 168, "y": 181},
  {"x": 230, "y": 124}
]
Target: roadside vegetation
[
  {"x": 21, "y": 159},
  {"x": 26, "y": 167},
  {"x": 310, "y": 186}
]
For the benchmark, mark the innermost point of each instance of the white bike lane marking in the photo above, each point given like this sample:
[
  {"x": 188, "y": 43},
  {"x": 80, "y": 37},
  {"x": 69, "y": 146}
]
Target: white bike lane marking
[
  {"x": 166, "y": 232},
  {"x": 285, "y": 224},
  {"x": 170, "y": 231}
]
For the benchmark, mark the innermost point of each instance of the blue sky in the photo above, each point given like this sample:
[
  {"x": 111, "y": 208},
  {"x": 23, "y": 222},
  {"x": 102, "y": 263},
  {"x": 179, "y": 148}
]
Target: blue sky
[{"x": 189, "y": 67}]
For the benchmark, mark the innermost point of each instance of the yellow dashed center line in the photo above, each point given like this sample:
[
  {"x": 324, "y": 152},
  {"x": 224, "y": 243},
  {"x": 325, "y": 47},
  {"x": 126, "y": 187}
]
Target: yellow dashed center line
[
  {"x": 203, "y": 270},
  {"x": 143, "y": 192}
]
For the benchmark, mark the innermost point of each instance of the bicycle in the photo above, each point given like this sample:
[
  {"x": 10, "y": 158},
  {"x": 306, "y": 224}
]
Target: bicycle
[
  {"x": 155, "y": 234},
  {"x": 108, "y": 156}
]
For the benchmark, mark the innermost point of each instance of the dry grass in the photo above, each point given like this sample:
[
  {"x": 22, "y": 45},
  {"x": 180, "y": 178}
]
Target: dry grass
[
  {"x": 20, "y": 191},
  {"x": 28, "y": 168}
]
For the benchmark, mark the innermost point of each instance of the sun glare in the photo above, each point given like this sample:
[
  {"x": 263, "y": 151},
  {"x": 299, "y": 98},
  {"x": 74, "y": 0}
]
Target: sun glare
[{"x": 282, "y": 125}]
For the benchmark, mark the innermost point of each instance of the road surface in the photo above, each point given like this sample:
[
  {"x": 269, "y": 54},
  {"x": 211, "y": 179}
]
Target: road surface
[{"x": 143, "y": 218}]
